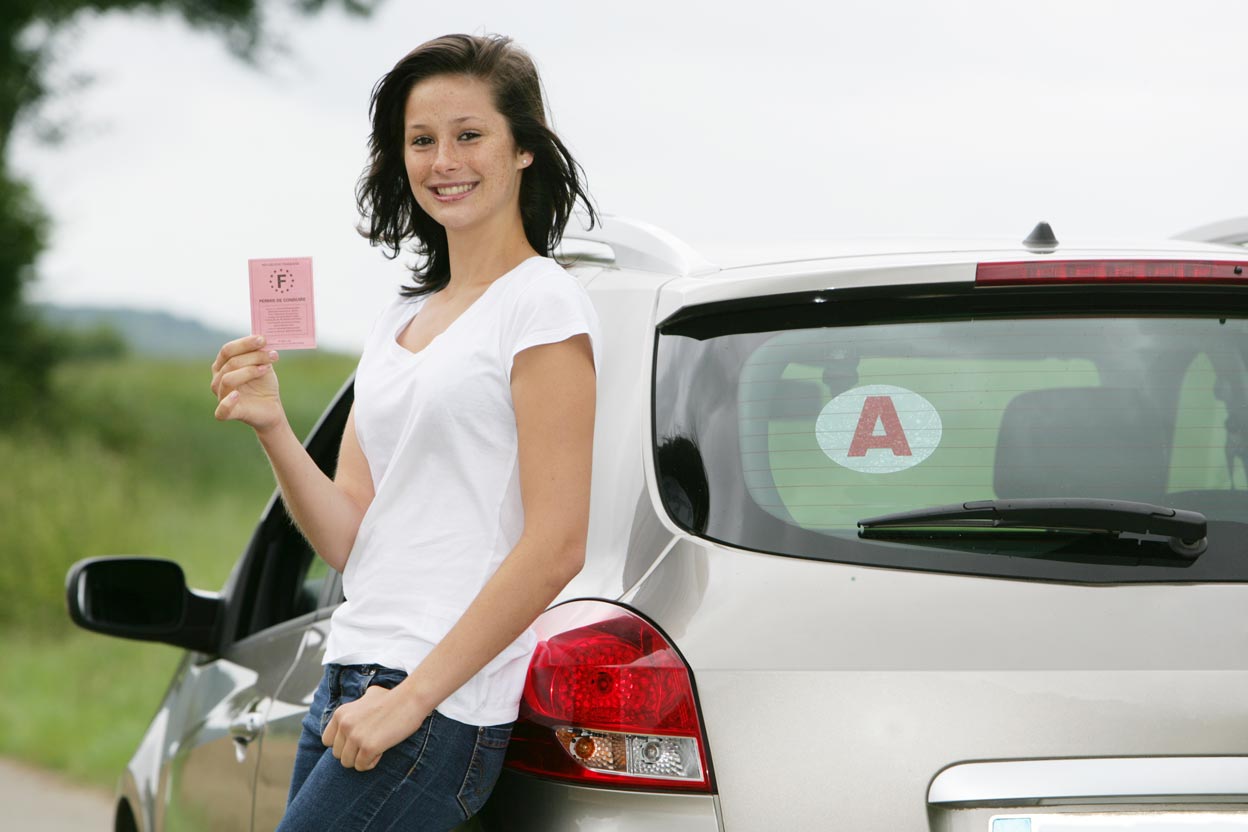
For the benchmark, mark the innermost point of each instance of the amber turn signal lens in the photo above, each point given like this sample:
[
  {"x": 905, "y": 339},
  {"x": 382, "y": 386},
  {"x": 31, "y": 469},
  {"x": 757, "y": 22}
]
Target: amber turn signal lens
[{"x": 584, "y": 748}]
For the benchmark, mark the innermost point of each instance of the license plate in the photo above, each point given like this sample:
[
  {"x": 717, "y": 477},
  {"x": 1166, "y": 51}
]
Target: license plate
[{"x": 1122, "y": 822}]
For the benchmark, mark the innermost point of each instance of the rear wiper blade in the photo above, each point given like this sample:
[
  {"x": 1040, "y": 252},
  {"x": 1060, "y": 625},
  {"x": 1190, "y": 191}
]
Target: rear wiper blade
[{"x": 1184, "y": 531}]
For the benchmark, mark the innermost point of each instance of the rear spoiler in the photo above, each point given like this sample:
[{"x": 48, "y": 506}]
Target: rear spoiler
[{"x": 1233, "y": 232}]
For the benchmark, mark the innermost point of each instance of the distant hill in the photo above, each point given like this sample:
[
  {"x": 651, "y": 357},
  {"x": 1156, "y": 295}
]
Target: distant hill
[{"x": 156, "y": 334}]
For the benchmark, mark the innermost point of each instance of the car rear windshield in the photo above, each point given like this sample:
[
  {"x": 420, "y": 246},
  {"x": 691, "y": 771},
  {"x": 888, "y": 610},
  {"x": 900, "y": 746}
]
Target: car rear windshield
[{"x": 782, "y": 423}]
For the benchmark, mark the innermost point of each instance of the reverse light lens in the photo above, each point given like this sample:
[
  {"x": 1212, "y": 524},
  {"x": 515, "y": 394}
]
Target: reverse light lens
[
  {"x": 631, "y": 754},
  {"x": 608, "y": 701},
  {"x": 1112, "y": 271}
]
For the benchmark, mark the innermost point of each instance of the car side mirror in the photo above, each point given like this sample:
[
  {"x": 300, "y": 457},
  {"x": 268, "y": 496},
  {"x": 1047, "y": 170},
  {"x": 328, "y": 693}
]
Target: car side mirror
[{"x": 145, "y": 599}]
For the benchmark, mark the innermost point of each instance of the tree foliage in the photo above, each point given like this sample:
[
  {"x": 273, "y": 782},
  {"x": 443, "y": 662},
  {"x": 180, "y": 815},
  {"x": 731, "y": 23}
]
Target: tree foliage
[{"x": 28, "y": 33}]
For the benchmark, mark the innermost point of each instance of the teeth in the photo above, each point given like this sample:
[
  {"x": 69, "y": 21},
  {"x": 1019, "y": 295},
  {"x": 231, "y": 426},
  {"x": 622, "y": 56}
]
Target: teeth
[{"x": 456, "y": 189}]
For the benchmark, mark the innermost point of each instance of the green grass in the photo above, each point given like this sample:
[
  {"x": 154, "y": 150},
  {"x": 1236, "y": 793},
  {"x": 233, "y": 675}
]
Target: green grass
[
  {"x": 130, "y": 461},
  {"x": 79, "y": 702}
]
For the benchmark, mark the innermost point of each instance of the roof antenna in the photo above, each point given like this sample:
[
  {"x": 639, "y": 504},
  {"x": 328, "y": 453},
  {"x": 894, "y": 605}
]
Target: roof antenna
[{"x": 1041, "y": 239}]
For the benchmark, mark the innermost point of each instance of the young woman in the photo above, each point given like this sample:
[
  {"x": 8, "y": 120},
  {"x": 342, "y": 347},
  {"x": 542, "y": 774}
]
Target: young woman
[{"x": 460, "y": 505}]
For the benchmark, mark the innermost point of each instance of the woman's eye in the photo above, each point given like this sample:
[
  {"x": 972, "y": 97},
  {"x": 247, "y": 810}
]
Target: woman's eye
[
  {"x": 422, "y": 141},
  {"x": 469, "y": 134}
]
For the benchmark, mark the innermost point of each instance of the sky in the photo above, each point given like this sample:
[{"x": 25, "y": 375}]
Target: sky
[{"x": 775, "y": 126}]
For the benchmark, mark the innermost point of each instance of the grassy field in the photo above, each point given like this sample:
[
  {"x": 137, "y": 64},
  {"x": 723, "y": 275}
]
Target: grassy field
[{"x": 131, "y": 461}]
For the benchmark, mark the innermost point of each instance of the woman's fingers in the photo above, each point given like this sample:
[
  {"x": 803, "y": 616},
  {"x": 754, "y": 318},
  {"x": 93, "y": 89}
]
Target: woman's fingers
[
  {"x": 345, "y": 749},
  {"x": 340, "y": 738},
  {"x": 331, "y": 731},
  {"x": 345, "y": 752},
  {"x": 247, "y": 359},
  {"x": 237, "y": 347},
  {"x": 225, "y": 408},
  {"x": 231, "y": 381},
  {"x": 336, "y": 739},
  {"x": 245, "y": 385}
]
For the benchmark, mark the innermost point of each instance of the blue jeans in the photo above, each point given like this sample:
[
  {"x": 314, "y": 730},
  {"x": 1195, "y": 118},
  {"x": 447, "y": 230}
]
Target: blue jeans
[{"x": 434, "y": 780}]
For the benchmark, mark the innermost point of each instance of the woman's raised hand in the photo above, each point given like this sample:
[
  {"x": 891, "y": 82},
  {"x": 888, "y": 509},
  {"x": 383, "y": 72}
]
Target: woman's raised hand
[{"x": 245, "y": 384}]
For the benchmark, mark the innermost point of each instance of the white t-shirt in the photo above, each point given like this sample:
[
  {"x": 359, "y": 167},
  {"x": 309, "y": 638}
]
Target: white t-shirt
[{"x": 439, "y": 431}]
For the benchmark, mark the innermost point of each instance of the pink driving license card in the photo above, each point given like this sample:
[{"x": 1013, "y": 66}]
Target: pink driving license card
[{"x": 281, "y": 302}]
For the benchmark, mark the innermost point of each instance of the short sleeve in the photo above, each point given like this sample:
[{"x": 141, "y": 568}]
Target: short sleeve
[{"x": 548, "y": 308}]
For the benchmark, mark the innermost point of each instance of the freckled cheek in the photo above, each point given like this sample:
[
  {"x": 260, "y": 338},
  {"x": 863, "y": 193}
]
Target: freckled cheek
[{"x": 416, "y": 173}]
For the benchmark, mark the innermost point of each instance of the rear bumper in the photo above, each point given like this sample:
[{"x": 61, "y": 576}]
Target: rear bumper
[{"x": 521, "y": 803}]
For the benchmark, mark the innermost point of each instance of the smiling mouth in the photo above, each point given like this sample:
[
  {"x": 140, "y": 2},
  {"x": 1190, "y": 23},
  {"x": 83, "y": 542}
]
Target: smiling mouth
[{"x": 454, "y": 190}]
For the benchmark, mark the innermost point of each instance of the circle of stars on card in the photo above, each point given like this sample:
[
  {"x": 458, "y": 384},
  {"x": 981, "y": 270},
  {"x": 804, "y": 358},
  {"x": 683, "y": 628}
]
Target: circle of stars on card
[{"x": 281, "y": 281}]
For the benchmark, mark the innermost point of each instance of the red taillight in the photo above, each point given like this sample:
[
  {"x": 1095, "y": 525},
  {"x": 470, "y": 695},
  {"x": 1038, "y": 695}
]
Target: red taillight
[
  {"x": 608, "y": 702},
  {"x": 1112, "y": 271}
]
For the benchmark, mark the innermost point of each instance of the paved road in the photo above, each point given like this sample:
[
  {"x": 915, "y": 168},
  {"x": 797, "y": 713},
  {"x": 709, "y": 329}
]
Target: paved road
[{"x": 35, "y": 800}]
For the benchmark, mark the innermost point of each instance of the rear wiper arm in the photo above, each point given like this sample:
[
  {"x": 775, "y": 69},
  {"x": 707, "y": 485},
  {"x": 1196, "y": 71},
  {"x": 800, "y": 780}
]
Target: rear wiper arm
[{"x": 1185, "y": 530}]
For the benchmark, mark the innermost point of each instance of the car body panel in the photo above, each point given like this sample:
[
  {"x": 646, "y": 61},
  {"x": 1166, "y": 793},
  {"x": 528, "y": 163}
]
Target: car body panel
[
  {"x": 826, "y": 275},
  {"x": 1232, "y": 231},
  {"x": 285, "y": 722},
  {"x": 141, "y": 784},
  {"x": 208, "y": 771},
  {"x": 528, "y": 804},
  {"x": 861, "y": 270},
  {"x": 812, "y": 615},
  {"x": 883, "y": 248},
  {"x": 848, "y": 683},
  {"x": 625, "y": 532}
]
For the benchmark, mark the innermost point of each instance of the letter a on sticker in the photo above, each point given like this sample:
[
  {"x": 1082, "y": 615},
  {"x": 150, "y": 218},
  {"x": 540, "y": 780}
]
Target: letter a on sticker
[{"x": 879, "y": 409}]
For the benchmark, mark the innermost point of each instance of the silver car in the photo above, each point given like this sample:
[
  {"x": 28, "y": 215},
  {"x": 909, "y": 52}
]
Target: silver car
[{"x": 911, "y": 537}]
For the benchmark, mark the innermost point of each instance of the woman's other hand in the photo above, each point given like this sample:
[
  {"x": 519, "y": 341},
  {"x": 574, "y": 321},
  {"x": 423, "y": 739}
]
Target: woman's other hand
[
  {"x": 245, "y": 384},
  {"x": 360, "y": 732}
]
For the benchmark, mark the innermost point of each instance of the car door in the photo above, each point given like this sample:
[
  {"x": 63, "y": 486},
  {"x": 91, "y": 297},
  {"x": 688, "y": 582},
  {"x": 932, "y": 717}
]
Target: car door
[
  {"x": 290, "y": 703},
  {"x": 216, "y": 775},
  {"x": 209, "y": 776},
  {"x": 299, "y": 642}
]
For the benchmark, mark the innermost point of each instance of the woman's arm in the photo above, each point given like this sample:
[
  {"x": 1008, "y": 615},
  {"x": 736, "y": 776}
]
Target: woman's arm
[
  {"x": 553, "y": 390},
  {"x": 328, "y": 512}
]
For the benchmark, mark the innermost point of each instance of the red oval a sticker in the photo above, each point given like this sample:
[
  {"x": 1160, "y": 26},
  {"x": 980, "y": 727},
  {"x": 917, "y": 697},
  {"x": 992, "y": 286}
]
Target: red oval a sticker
[{"x": 878, "y": 429}]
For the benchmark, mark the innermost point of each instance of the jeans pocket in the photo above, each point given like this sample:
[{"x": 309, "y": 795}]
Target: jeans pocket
[
  {"x": 386, "y": 677},
  {"x": 324, "y": 700},
  {"x": 484, "y": 767},
  {"x": 326, "y": 716}
]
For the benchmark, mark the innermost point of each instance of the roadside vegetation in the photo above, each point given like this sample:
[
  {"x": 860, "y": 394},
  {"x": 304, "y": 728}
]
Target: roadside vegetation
[{"x": 129, "y": 461}]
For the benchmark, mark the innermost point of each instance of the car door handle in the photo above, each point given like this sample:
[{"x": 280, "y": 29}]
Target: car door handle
[{"x": 247, "y": 727}]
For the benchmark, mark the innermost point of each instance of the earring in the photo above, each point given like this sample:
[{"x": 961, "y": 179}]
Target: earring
[{"x": 526, "y": 160}]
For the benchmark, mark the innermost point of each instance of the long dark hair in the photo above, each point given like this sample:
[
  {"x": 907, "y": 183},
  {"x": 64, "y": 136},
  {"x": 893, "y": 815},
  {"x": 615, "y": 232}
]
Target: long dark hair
[{"x": 549, "y": 187}]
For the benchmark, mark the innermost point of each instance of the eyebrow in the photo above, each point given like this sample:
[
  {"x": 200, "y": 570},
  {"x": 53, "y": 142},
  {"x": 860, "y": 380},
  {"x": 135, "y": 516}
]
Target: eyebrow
[{"x": 460, "y": 120}]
